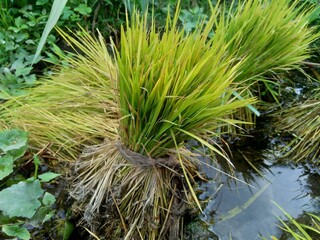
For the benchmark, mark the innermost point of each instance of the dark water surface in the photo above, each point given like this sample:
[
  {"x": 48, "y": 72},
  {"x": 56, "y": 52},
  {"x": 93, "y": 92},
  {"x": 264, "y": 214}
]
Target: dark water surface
[
  {"x": 245, "y": 212},
  {"x": 244, "y": 209}
]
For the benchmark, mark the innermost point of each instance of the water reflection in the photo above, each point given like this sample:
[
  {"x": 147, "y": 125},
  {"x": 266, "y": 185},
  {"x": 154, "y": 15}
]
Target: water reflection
[{"x": 243, "y": 209}]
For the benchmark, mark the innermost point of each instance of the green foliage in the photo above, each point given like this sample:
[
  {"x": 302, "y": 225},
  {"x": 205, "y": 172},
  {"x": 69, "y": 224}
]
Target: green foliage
[
  {"x": 170, "y": 85},
  {"x": 280, "y": 35},
  {"x": 21, "y": 200},
  {"x": 315, "y": 17},
  {"x": 297, "y": 230},
  {"x": 303, "y": 122},
  {"x": 15, "y": 230},
  {"x": 107, "y": 17},
  {"x": 21, "y": 25},
  {"x": 13, "y": 140},
  {"x": 191, "y": 18},
  {"x": 48, "y": 176},
  {"x": 19, "y": 36},
  {"x": 24, "y": 202},
  {"x": 55, "y": 13},
  {"x": 70, "y": 107},
  {"x": 13, "y": 145}
]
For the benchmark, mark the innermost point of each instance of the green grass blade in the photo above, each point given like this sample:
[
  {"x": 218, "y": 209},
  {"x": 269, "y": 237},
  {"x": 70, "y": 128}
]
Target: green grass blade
[{"x": 56, "y": 11}]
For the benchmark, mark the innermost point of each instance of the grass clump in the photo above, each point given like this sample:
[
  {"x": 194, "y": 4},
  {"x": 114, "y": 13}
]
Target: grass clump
[
  {"x": 273, "y": 37},
  {"x": 71, "y": 107},
  {"x": 173, "y": 87},
  {"x": 302, "y": 120}
]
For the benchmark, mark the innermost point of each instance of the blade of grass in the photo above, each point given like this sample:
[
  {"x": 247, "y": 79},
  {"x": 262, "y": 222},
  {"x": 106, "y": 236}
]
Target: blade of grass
[{"x": 56, "y": 11}]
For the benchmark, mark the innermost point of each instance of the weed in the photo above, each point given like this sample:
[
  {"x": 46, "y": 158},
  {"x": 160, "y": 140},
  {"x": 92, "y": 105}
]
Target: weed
[{"x": 25, "y": 202}]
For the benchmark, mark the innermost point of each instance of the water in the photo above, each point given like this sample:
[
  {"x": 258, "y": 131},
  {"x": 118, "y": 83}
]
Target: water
[{"x": 244, "y": 209}]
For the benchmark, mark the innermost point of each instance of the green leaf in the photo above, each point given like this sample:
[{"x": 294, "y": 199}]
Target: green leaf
[
  {"x": 41, "y": 2},
  {"x": 11, "y": 46},
  {"x": 21, "y": 200},
  {"x": 17, "y": 153},
  {"x": 68, "y": 229},
  {"x": 252, "y": 108},
  {"x": 21, "y": 36},
  {"x": 23, "y": 71},
  {"x": 55, "y": 13},
  {"x": 6, "y": 166},
  {"x": 41, "y": 216},
  {"x": 48, "y": 176},
  {"x": 13, "y": 139},
  {"x": 48, "y": 216},
  {"x": 30, "y": 79},
  {"x": 48, "y": 199},
  {"x": 83, "y": 9},
  {"x": 30, "y": 42},
  {"x": 18, "y": 63},
  {"x": 18, "y": 21},
  {"x": 16, "y": 231}
]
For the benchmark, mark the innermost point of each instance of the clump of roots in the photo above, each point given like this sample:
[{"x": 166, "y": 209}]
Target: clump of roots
[{"x": 145, "y": 200}]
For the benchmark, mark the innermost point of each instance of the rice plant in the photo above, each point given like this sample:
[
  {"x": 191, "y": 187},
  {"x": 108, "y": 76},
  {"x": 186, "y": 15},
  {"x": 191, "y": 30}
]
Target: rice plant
[
  {"x": 173, "y": 87},
  {"x": 273, "y": 37},
  {"x": 74, "y": 106},
  {"x": 302, "y": 120}
]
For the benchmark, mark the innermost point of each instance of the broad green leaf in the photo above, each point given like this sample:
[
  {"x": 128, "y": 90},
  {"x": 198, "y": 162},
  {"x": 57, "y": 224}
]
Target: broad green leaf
[
  {"x": 41, "y": 2},
  {"x": 18, "y": 64},
  {"x": 17, "y": 153},
  {"x": 13, "y": 139},
  {"x": 83, "y": 9},
  {"x": 48, "y": 176},
  {"x": 6, "y": 166},
  {"x": 30, "y": 79},
  {"x": 21, "y": 200},
  {"x": 55, "y": 13},
  {"x": 23, "y": 71},
  {"x": 16, "y": 231},
  {"x": 48, "y": 199}
]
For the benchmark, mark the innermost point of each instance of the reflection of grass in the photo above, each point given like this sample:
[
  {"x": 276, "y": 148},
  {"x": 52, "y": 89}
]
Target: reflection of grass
[
  {"x": 239, "y": 209},
  {"x": 300, "y": 231}
]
